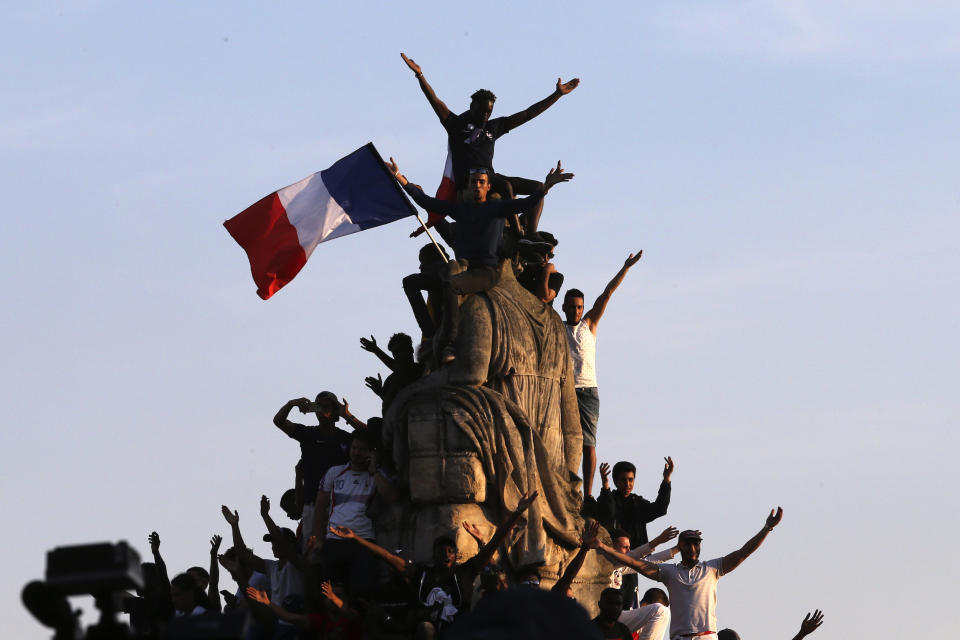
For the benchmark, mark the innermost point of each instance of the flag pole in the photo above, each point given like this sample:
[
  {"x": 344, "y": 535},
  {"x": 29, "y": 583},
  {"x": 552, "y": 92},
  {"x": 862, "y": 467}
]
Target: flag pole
[{"x": 430, "y": 235}]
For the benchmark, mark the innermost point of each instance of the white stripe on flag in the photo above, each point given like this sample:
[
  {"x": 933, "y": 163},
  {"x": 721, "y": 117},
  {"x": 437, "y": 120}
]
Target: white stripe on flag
[{"x": 314, "y": 213}]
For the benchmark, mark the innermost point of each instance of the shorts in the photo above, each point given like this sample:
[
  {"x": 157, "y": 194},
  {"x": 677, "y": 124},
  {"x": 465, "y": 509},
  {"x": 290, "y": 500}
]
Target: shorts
[{"x": 588, "y": 402}]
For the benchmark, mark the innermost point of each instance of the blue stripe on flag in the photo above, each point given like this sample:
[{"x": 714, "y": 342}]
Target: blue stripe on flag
[{"x": 365, "y": 189}]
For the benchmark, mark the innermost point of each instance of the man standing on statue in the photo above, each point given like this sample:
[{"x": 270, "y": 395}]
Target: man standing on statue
[{"x": 582, "y": 337}]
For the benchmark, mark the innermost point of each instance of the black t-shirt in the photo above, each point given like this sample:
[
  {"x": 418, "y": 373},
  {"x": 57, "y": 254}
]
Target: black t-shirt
[
  {"x": 618, "y": 631},
  {"x": 320, "y": 449},
  {"x": 472, "y": 146},
  {"x": 457, "y": 583},
  {"x": 532, "y": 274}
]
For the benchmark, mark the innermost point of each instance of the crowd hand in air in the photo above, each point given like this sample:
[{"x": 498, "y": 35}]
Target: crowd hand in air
[
  {"x": 474, "y": 532},
  {"x": 555, "y": 176},
  {"x": 215, "y": 544},
  {"x": 342, "y": 532},
  {"x": 590, "y": 535},
  {"x": 374, "y": 384},
  {"x": 369, "y": 345},
  {"x": 605, "y": 475},
  {"x": 667, "y": 534},
  {"x": 810, "y": 623},
  {"x": 668, "y": 461},
  {"x": 417, "y": 71},
  {"x": 563, "y": 88},
  {"x": 258, "y": 596}
]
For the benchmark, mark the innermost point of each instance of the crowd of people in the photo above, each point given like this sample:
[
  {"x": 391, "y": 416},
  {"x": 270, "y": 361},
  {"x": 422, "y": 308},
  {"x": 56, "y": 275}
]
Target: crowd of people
[{"x": 329, "y": 578}]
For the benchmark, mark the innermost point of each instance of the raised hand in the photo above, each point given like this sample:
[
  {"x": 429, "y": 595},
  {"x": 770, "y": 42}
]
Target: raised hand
[
  {"x": 810, "y": 623},
  {"x": 632, "y": 259},
  {"x": 605, "y": 475},
  {"x": 374, "y": 384},
  {"x": 590, "y": 534},
  {"x": 415, "y": 67},
  {"x": 668, "y": 466},
  {"x": 526, "y": 501},
  {"x": 342, "y": 532},
  {"x": 344, "y": 408},
  {"x": 563, "y": 88},
  {"x": 232, "y": 517},
  {"x": 775, "y": 517},
  {"x": 215, "y": 544},
  {"x": 371, "y": 344},
  {"x": 392, "y": 167},
  {"x": 555, "y": 176},
  {"x": 327, "y": 590},
  {"x": 474, "y": 532},
  {"x": 667, "y": 534},
  {"x": 258, "y": 596},
  {"x": 154, "y": 540},
  {"x": 264, "y": 506}
]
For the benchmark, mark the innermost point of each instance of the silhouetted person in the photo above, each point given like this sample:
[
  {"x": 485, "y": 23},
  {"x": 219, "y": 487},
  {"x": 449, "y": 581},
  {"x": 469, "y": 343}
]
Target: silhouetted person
[
  {"x": 188, "y": 598},
  {"x": 321, "y": 446},
  {"x": 478, "y": 233},
  {"x": 403, "y": 367},
  {"x": 582, "y": 337},
  {"x": 433, "y": 264},
  {"x": 472, "y": 136},
  {"x": 607, "y": 621}
]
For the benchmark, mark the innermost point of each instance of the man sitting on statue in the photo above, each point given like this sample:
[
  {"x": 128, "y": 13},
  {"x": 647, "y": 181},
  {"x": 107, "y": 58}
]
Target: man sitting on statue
[{"x": 477, "y": 237}]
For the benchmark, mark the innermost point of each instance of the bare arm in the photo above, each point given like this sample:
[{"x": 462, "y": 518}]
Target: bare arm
[
  {"x": 648, "y": 569},
  {"x": 293, "y": 618},
  {"x": 154, "y": 540},
  {"x": 243, "y": 555},
  {"x": 281, "y": 419},
  {"x": 372, "y": 346},
  {"x": 213, "y": 589},
  {"x": 277, "y": 536},
  {"x": 732, "y": 560},
  {"x": 385, "y": 488},
  {"x": 350, "y": 419},
  {"x": 320, "y": 515},
  {"x": 397, "y": 563},
  {"x": 809, "y": 624},
  {"x": 486, "y": 551},
  {"x": 531, "y": 112},
  {"x": 441, "y": 207},
  {"x": 439, "y": 107},
  {"x": 593, "y": 316},
  {"x": 570, "y": 573}
]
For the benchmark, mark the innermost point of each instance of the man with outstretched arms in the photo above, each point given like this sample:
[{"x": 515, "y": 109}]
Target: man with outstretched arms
[
  {"x": 691, "y": 583},
  {"x": 472, "y": 136}
]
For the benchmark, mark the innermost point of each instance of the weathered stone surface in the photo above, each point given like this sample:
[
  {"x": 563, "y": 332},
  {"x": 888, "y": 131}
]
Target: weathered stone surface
[{"x": 501, "y": 421}]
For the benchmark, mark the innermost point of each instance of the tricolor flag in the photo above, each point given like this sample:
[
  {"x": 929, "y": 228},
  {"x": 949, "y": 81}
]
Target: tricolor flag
[
  {"x": 281, "y": 231},
  {"x": 446, "y": 191}
]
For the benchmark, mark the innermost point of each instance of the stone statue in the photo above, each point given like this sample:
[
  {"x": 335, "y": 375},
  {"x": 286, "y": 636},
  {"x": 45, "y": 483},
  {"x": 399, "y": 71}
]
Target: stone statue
[{"x": 498, "y": 422}]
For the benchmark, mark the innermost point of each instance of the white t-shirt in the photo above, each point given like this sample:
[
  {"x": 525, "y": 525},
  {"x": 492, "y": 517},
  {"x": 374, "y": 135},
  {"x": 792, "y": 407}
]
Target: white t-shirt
[
  {"x": 285, "y": 582},
  {"x": 583, "y": 349},
  {"x": 258, "y": 581},
  {"x": 350, "y": 493},
  {"x": 650, "y": 621},
  {"x": 693, "y": 596}
]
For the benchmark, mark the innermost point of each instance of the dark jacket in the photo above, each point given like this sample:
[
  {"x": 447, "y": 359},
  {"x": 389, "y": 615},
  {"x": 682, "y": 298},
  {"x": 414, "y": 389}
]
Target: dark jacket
[{"x": 632, "y": 513}]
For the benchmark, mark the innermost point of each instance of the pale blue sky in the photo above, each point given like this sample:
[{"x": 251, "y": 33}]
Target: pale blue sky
[{"x": 789, "y": 169}]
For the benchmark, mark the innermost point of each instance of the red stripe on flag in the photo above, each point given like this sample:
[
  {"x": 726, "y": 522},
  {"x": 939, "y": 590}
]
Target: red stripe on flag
[{"x": 271, "y": 243}]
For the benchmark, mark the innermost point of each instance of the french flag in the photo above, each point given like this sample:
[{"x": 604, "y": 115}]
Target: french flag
[{"x": 280, "y": 231}]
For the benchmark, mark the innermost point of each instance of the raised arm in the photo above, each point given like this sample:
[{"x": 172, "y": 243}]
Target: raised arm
[
  {"x": 593, "y": 316},
  {"x": 439, "y": 107},
  {"x": 372, "y": 346},
  {"x": 441, "y": 207},
  {"x": 243, "y": 555},
  {"x": 570, "y": 573},
  {"x": 648, "y": 569},
  {"x": 486, "y": 551},
  {"x": 554, "y": 177},
  {"x": 154, "y": 540},
  {"x": 281, "y": 419},
  {"x": 213, "y": 588},
  {"x": 277, "y": 536},
  {"x": 397, "y": 563},
  {"x": 732, "y": 560},
  {"x": 810, "y": 623},
  {"x": 352, "y": 420},
  {"x": 531, "y": 112}
]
